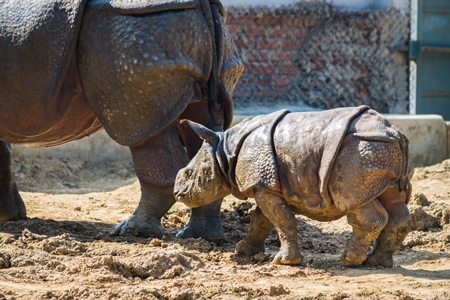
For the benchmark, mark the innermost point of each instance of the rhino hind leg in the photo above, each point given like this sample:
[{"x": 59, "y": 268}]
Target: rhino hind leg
[
  {"x": 12, "y": 206},
  {"x": 395, "y": 231},
  {"x": 258, "y": 230},
  {"x": 367, "y": 222},
  {"x": 280, "y": 214},
  {"x": 205, "y": 223}
]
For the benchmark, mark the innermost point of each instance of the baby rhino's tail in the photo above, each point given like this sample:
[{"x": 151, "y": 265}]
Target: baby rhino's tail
[{"x": 404, "y": 183}]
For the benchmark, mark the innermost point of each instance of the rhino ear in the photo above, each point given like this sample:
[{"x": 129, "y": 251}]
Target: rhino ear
[{"x": 203, "y": 132}]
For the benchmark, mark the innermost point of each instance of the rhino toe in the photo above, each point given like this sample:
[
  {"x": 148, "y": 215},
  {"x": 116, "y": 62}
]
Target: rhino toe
[
  {"x": 288, "y": 255},
  {"x": 138, "y": 226},
  {"x": 246, "y": 248},
  {"x": 355, "y": 256},
  {"x": 12, "y": 206},
  {"x": 378, "y": 260},
  {"x": 280, "y": 260},
  {"x": 209, "y": 229}
]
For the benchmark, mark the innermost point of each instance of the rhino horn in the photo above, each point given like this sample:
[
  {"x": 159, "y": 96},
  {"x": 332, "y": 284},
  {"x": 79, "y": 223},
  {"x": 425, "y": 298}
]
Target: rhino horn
[{"x": 203, "y": 132}]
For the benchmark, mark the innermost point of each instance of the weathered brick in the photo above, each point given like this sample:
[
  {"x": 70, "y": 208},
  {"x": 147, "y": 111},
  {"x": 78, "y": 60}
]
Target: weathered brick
[
  {"x": 245, "y": 43},
  {"x": 280, "y": 33},
  {"x": 288, "y": 70},
  {"x": 310, "y": 21},
  {"x": 248, "y": 69},
  {"x": 240, "y": 43},
  {"x": 363, "y": 92},
  {"x": 267, "y": 44},
  {"x": 335, "y": 61},
  {"x": 239, "y": 92},
  {"x": 263, "y": 69},
  {"x": 281, "y": 56},
  {"x": 282, "y": 81},
  {"x": 291, "y": 45},
  {"x": 264, "y": 81},
  {"x": 243, "y": 21},
  {"x": 267, "y": 93},
  {"x": 268, "y": 21},
  {"x": 254, "y": 31},
  {"x": 234, "y": 30},
  {"x": 288, "y": 22},
  {"x": 300, "y": 32},
  {"x": 258, "y": 56},
  {"x": 364, "y": 70}
]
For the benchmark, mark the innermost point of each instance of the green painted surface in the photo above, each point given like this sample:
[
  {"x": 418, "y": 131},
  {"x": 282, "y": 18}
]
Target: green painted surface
[{"x": 432, "y": 51}]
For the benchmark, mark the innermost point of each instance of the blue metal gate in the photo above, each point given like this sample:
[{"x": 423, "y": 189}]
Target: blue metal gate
[{"x": 429, "y": 53}]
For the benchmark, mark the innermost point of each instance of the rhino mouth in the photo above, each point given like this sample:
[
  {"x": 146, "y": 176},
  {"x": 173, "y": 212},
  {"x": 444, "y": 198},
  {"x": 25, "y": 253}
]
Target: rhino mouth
[{"x": 182, "y": 195}]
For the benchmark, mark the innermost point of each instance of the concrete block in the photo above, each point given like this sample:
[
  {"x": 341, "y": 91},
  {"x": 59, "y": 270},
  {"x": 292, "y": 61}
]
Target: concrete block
[
  {"x": 95, "y": 149},
  {"x": 447, "y": 124}
]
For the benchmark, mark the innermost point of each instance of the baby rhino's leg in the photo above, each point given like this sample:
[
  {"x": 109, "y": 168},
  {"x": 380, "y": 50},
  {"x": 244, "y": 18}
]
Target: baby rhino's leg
[
  {"x": 367, "y": 222},
  {"x": 398, "y": 226},
  {"x": 280, "y": 214},
  {"x": 259, "y": 229}
]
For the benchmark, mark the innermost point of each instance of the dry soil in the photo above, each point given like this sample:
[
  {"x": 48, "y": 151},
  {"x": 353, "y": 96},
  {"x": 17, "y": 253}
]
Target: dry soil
[{"x": 63, "y": 250}]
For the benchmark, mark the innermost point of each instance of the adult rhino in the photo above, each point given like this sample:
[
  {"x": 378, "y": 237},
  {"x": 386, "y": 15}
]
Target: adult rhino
[{"x": 134, "y": 68}]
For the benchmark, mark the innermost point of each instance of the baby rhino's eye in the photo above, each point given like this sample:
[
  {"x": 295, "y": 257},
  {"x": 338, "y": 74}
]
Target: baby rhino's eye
[{"x": 189, "y": 173}]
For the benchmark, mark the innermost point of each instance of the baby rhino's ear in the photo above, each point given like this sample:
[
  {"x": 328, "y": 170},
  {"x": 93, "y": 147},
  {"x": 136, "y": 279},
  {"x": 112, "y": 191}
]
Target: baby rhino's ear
[{"x": 203, "y": 132}]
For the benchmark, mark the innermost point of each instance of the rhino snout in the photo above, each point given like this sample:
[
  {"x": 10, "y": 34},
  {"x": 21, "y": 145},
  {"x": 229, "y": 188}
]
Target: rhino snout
[
  {"x": 179, "y": 193},
  {"x": 182, "y": 195}
]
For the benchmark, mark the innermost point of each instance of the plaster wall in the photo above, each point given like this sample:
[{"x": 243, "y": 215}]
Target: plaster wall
[{"x": 316, "y": 55}]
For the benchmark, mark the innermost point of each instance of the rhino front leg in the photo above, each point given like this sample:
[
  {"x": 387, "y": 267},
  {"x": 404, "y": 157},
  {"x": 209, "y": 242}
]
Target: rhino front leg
[
  {"x": 258, "y": 230},
  {"x": 367, "y": 222},
  {"x": 280, "y": 214},
  {"x": 11, "y": 204},
  {"x": 156, "y": 163},
  {"x": 396, "y": 230}
]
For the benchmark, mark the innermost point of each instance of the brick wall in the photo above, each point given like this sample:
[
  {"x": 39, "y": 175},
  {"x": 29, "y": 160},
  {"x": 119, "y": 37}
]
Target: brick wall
[{"x": 316, "y": 55}]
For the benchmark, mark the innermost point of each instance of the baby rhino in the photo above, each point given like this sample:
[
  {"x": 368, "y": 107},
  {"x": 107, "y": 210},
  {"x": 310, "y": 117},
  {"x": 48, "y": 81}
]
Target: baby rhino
[{"x": 324, "y": 165}]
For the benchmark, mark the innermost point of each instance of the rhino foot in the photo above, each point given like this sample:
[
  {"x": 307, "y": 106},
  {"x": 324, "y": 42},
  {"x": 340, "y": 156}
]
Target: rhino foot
[
  {"x": 246, "y": 248},
  {"x": 288, "y": 255},
  {"x": 12, "y": 206},
  {"x": 139, "y": 226},
  {"x": 379, "y": 260},
  {"x": 205, "y": 223},
  {"x": 354, "y": 256},
  {"x": 209, "y": 229}
]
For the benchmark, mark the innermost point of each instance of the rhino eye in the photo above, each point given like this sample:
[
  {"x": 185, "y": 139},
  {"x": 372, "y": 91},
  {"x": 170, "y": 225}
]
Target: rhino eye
[{"x": 189, "y": 173}]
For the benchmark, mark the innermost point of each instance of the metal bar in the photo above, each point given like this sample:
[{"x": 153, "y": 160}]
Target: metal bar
[
  {"x": 437, "y": 11},
  {"x": 436, "y": 94},
  {"x": 435, "y": 49}
]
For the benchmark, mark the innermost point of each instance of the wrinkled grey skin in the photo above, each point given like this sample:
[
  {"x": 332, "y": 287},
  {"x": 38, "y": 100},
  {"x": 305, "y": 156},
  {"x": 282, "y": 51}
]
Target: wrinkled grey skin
[
  {"x": 134, "y": 68},
  {"x": 324, "y": 165}
]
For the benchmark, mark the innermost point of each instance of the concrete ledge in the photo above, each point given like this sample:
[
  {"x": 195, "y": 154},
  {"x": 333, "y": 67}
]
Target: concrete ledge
[
  {"x": 447, "y": 125},
  {"x": 95, "y": 149},
  {"x": 428, "y": 135}
]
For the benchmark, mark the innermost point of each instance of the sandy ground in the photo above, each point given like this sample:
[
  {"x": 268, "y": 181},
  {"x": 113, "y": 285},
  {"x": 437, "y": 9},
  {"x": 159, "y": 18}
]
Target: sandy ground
[{"x": 63, "y": 252}]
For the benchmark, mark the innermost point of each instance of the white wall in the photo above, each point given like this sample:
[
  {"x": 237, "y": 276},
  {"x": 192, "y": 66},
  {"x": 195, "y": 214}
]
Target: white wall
[{"x": 352, "y": 4}]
